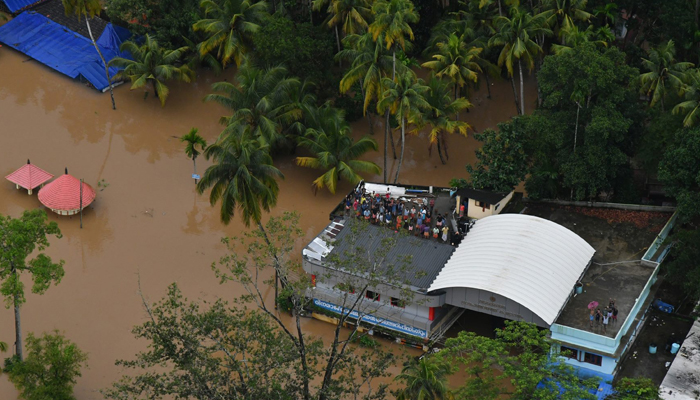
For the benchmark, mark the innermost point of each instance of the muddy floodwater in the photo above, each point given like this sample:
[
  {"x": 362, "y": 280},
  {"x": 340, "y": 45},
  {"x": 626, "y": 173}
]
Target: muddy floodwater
[{"x": 147, "y": 222}]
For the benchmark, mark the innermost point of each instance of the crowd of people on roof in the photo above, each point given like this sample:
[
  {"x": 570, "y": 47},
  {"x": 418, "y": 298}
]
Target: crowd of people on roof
[{"x": 398, "y": 214}]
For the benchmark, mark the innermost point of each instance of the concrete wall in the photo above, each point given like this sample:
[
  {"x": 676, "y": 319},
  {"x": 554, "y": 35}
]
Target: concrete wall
[
  {"x": 416, "y": 312},
  {"x": 474, "y": 211},
  {"x": 491, "y": 303},
  {"x": 586, "y": 370}
]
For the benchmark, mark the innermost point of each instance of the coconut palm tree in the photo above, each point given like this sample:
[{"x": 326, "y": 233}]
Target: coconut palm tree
[
  {"x": 153, "y": 65},
  {"x": 563, "y": 14},
  {"x": 242, "y": 178},
  {"x": 690, "y": 108},
  {"x": 258, "y": 99},
  {"x": 404, "y": 97},
  {"x": 391, "y": 22},
  {"x": 88, "y": 9},
  {"x": 370, "y": 62},
  {"x": 665, "y": 73},
  {"x": 573, "y": 37},
  {"x": 193, "y": 140},
  {"x": 335, "y": 151},
  {"x": 515, "y": 37},
  {"x": 442, "y": 107},
  {"x": 228, "y": 26},
  {"x": 351, "y": 15},
  {"x": 456, "y": 61},
  {"x": 425, "y": 379}
]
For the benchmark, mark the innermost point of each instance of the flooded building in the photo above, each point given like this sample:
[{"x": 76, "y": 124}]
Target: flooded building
[{"x": 545, "y": 265}]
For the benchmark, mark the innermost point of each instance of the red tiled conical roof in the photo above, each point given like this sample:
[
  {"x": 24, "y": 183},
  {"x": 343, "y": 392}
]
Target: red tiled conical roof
[
  {"x": 64, "y": 194},
  {"x": 29, "y": 176}
]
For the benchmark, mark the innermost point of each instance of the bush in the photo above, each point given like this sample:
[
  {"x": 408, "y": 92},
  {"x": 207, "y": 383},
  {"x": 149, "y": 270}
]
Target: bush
[
  {"x": 50, "y": 369},
  {"x": 306, "y": 50}
]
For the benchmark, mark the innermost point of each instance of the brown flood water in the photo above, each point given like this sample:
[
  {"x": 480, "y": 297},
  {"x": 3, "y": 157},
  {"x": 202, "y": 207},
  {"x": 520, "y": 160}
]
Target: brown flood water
[{"x": 148, "y": 222}]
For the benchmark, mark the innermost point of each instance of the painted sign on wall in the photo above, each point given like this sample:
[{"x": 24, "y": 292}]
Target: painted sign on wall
[{"x": 371, "y": 319}]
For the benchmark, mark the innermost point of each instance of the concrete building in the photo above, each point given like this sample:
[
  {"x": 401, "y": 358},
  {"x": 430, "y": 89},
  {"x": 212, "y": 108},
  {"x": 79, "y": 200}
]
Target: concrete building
[
  {"x": 481, "y": 203},
  {"x": 543, "y": 266}
]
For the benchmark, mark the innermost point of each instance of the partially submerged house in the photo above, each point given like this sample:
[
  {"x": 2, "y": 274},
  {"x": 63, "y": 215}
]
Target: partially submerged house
[
  {"x": 481, "y": 203},
  {"x": 513, "y": 266},
  {"x": 55, "y": 45}
]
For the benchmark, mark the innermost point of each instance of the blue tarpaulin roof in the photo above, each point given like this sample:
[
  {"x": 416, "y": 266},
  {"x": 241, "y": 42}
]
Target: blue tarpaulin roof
[
  {"x": 62, "y": 49},
  {"x": 16, "y": 5}
]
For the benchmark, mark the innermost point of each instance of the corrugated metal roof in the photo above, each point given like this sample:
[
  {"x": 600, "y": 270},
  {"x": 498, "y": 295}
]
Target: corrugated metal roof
[
  {"x": 62, "y": 49},
  {"x": 427, "y": 255},
  {"x": 527, "y": 259}
]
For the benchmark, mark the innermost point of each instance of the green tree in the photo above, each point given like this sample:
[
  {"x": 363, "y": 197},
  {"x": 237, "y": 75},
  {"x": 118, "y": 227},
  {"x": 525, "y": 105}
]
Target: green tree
[
  {"x": 244, "y": 349},
  {"x": 50, "y": 370},
  {"x": 335, "y": 151},
  {"x": 637, "y": 389},
  {"x": 228, "y": 26},
  {"x": 370, "y": 62},
  {"x": 679, "y": 170},
  {"x": 260, "y": 101},
  {"x": 391, "y": 25},
  {"x": 515, "y": 36},
  {"x": 690, "y": 107},
  {"x": 404, "y": 98},
  {"x": 456, "y": 61},
  {"x": 391, "y": 22},
  {"x": 169, "y": 21},
  {"x": 242, "y": 177},
  {"x": 563, "y": 14},
  {"x": 681, "y": 266},
  {"x": 88, "y": 9},
  {"x": 351, "y": 15},
  {"x": 522, "y": 352},
  {"x": 192, "y": 140},
  {"x": 501, "y": 161},
  {"x": 425, "y": 379},
  {"x": 304, "y": 49},
  {"x": 587, "y": 119},
  {"x": 573, "y": 37},
  {"x": 665, "y": 73},
  {"x": 153, "y": 65},
  {"x": 20, "y": 238},
  {"x": 439, "y": 115}
]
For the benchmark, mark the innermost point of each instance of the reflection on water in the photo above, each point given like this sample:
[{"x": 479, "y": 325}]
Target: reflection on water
[{"x": 148, "y": 222}]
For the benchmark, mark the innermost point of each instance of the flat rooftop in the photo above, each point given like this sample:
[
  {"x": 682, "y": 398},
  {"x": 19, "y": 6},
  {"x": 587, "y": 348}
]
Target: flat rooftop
[
  {"x": 620, "y": 238},
  {"x": 682, "y": 382},
  {"x": 423, "y": 258}
]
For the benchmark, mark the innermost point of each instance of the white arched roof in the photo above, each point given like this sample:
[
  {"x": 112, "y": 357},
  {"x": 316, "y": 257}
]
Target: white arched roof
[{"x": 530, "y": 260}]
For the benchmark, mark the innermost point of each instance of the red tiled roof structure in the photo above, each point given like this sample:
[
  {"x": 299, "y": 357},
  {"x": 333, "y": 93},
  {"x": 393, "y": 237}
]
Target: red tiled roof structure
[
  {"x": 62, "y": 195},
  {"x": 29, "y": 176}
]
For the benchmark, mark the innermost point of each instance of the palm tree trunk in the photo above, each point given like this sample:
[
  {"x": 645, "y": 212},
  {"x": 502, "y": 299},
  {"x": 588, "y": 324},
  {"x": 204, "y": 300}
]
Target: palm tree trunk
[
  {"x": 440, "y": 151},
  {"x": 277, "y": 261},
  {"x": 386, "y": 140},
  {"x": 393, "y": 73},
  {"x": 194, "y": 161},
  {"x": 515, "y": 94},
  {"x": 500, "y": 11},
  {"x": 109, "y": 80},
  {"x": 403, "y": 142},
  {"x": 444, "y": 145},
  {"x": 18, "y": 330},
  {"x": 337, "y": 40},
  {"x": 393, "y": 147},
  {"x": 522, "y": 91}
]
